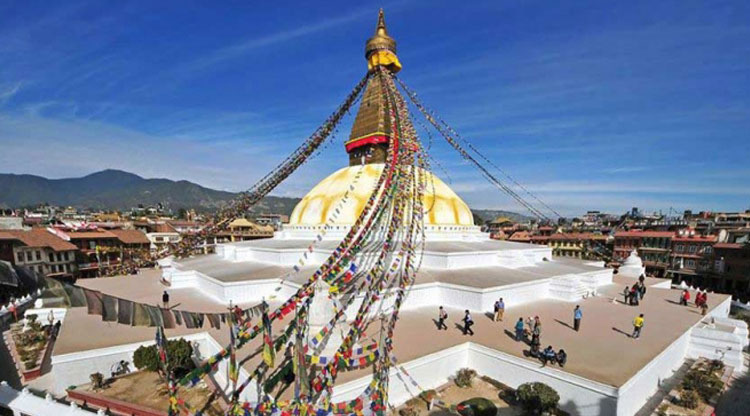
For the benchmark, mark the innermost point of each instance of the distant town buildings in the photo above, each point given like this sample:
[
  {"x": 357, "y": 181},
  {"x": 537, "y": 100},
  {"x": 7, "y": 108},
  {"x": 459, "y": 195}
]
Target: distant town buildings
[{"x": 71, "y": 243}]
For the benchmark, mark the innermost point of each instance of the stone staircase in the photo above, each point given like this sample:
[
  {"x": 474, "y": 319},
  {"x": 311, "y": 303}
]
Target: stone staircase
[
  {"x": 568, "y": 288},
  {"x": 720, "y": 338}
]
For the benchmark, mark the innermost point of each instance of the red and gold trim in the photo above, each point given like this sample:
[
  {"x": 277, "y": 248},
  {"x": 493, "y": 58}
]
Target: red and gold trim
[{"x": 374, "y": 138}]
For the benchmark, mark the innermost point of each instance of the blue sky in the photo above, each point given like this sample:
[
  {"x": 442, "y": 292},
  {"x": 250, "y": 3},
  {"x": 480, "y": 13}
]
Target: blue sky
[{"x": 592, "y": 105}]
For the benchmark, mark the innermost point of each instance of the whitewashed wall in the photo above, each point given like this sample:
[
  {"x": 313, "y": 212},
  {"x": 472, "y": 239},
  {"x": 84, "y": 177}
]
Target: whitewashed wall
[
  {"x": 636, "y": 391},
  {"x": 578, "y": 396}
]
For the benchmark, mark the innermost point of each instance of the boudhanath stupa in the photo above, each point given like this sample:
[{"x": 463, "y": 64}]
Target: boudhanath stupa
[{"x": 607, "y": 372}]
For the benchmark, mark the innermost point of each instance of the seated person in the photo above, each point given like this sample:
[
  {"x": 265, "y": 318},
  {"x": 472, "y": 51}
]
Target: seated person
[
  {"x": 549, "y": 354},
  {"x": 562, "y": 357},
  {"x": 534, "y": 350}
]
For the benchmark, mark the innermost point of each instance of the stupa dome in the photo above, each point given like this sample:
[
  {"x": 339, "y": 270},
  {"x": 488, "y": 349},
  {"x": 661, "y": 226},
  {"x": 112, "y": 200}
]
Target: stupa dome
[{"x": 442, "y": 206}]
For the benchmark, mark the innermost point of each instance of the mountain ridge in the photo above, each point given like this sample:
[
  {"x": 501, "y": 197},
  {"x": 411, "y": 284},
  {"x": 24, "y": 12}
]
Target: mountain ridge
[{"x": 113, "y": 189}]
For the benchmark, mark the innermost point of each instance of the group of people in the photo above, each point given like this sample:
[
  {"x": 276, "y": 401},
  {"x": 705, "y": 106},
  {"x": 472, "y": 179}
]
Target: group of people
[
  {"x": 701, "y": 300},
  {"x": 550, "y": 356},
  {"x": 634, "y": 294}
]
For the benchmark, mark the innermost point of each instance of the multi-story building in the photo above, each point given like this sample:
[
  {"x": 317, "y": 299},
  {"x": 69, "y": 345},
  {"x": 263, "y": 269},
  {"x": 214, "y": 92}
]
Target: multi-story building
[
  {"x": 162, "y": 234},
  {"x": 577, "y": 245},
  {"x": 653, "y": 248},
  {"x": 496, "y": 226},
  {"x": 131, "y": 239},
  {"x": 731, "y": 271},
  {"x": 39, "y": 250},
  {"x": 97, "y": 249},
  {"x": 242, "y": 229},
  {"x": 274, "y": 220},
  {"x": 692, "y": 257}
]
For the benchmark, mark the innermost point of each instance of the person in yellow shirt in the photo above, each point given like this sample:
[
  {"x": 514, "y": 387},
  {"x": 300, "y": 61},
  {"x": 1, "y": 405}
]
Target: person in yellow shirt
[{"x": 637, "y": 326}]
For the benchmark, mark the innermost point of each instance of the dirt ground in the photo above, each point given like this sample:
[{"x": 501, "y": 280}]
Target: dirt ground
[
  {"x": 147, "y": 389},
  {"x": 452, "y": 394}
]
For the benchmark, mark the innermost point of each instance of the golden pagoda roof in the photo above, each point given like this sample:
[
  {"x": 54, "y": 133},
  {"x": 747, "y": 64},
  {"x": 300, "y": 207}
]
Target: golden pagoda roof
[
  {"x": 380, "y": 40},
  {"x": 372, "y": 116}
]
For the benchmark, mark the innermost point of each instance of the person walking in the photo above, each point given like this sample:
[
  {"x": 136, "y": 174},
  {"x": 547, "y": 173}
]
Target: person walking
[
  {"x": 519, "y": 329},
  {"x": 13, "y": 309},
  {"x": 499, "y": 310},
  {"x": 685, "y": 297},
  {"x": 468, "y": 322},
  {"x": 442, "y": 316},
  {"x": 536, "y": 332},
  {"x": 637, "y": 326},
  {"x": 626, "y": 295},
  {"x": 577, "y": 315},
  {"x": 165, "y": 299}
]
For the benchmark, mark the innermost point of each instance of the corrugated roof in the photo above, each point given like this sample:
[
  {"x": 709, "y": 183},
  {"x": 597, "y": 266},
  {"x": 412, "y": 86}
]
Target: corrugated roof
[
  {"x": 644, "y": 234},
  {"x": 89, "y": 234},
  {"x": 38, "y": 237},
  {"x": 130, "y": 236}
]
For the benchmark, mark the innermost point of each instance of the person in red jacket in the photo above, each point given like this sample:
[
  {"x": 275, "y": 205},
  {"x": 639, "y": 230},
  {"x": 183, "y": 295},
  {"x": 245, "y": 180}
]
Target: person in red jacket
[{"x": 685, "y": 297}]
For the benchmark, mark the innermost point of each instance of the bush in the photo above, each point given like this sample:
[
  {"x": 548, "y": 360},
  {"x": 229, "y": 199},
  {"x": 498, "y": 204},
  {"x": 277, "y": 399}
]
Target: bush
[
  {"x": 536, "y": 398},
  {"x": 179, "y": 354},
  {"x": 662, "y": 410},
  {"x": 477, "y": 406},
  {"x": 689, "y": 399},
  {"x": 464, "y": 377},
  {"x": 707, "y": 384}
]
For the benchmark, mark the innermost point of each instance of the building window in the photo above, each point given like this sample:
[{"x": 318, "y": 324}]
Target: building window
[
  {"x": 692, "y": 249},
  {"x": 38, "y": 255},
  {"x": 20, "y": 256},
  {"x": 678, "y": 248},
  {"x": 28, "y": 257},
  {"x": 51, "y": 257},
  {"x": 708, "y": 250},
  {"x": 690, "y": 263}
]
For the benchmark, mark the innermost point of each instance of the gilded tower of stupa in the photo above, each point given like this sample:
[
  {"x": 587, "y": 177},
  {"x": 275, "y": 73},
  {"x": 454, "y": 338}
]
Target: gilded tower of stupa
[
  {"x": 367, "y": 148},
  {"x": 371, "y": 131}
]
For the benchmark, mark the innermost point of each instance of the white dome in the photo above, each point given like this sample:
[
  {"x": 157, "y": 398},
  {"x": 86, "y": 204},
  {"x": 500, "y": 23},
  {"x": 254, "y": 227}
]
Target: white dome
[{"x": 442, "y": 206}]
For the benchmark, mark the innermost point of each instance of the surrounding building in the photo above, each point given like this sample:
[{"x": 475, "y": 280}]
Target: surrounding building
[
  {"x": 692, "y": 257},
  {"x": 274, "y": 220},
  {"x": 243, "y": 229},
  {"x": 731, "y": 271},
  {"x": 39, "y": 250},
  {"x": 576, "y": 245},
  {"x": 653, "y": 247},
  {"x": 96, "y": 249}
]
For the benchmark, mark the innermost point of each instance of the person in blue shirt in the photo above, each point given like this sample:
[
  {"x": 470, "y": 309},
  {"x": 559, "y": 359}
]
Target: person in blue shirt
[
  {"x": 499, "y": 309},
  {"x": 549, "y": 355},
  {"x": 577, "y": 315},
  {"x": 519, "y": 329}
]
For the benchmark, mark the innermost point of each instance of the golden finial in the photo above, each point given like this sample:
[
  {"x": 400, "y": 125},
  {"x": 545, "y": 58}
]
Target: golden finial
[
  {"x": 382, "y": 44},
  {"x": 380, "y": 28}
]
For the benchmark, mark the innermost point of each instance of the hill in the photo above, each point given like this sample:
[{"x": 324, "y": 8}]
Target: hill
[
  {"x": 491, "y": 214},
  {"x": 118, "y": 190}
]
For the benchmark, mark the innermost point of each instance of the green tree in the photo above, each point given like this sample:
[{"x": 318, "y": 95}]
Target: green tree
[
  {"x": 179, "y": 352},
  {"x": 536, "y": 398}
]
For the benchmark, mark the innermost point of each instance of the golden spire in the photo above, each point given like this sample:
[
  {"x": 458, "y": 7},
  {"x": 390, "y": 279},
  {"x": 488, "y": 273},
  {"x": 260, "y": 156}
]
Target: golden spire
[{"x": 380, "y": 49}]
